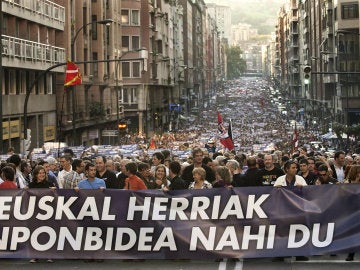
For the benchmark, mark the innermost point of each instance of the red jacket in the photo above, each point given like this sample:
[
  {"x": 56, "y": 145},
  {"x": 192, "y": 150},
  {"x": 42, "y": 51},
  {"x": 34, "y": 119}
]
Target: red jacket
[{"x": 134, "y": 183}]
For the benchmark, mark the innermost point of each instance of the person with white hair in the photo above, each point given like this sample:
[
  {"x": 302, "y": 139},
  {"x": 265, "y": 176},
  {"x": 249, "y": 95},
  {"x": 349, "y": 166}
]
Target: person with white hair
[
  {"x": 220, "y": 160},
  {"x": 234, "y": 169}
]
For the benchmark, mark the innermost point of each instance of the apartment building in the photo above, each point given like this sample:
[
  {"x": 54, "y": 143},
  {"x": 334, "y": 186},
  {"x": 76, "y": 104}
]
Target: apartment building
[
  {"x": 346, "y": 27},
  {"x": 32, "y": 41},
  {"x": 322, "y": 35},
  {"x": 222, "y": 16},
  {"x": 138, "y": 59},
  {"x": 84, "y": 110}
]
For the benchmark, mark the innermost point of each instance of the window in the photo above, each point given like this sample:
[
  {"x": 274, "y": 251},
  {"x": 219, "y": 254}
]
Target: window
[
  {"x": 125, "y": 16},
  {"x": 12, "y": 82},
  {"x": 350, "y": 11},
  {"x": 5, "y": 25},
  {"x": 85, "y": 67},
  {"x": 22, "y": 82},
  {"x": 136, "y": 69},
  {"x": 342, "y": 66},
  {"x": 135, "y": 42},
  {"x": 125, "y": 43},
  {"x": 94, "y": 27},
  {"x": 125, "y": 69},
  {"x": 135, "y": 19},
  {"x": 125, "y": 95},
  {"x": 133, "y": 95},
  {"x": 159, "y": 46},
  {"x": 95, "y": 65},
  {"x": 49, "y": 84}
]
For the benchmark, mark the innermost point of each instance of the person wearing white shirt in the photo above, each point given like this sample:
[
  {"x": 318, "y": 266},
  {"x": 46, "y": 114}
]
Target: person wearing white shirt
[
  {"x": 290, "y": 178},
  {"x": 65, "y": 162}
]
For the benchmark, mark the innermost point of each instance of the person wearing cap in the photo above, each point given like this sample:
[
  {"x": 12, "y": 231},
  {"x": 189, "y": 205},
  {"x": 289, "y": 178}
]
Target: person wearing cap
[{"x": 210, "y": 146}]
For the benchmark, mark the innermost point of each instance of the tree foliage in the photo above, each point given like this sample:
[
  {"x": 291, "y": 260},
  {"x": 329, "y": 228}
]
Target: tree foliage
[
  {"x": 235, "y": 64},
  {"x": 351, "y": 131},
  {"x": 96, "y": 109}
]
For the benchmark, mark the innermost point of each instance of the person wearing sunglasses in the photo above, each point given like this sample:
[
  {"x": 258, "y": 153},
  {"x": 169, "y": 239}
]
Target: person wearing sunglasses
[{"x": 324, "y": 176}]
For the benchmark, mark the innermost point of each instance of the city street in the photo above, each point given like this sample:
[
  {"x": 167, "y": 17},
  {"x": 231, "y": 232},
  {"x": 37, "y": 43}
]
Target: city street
[{"x": 319, "y": 262}]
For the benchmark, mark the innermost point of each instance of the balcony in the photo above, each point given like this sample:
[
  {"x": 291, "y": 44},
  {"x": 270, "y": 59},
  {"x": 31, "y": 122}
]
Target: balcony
[
  {"x": 44, "y": 12},
  {"x": 28, "y": 54}
]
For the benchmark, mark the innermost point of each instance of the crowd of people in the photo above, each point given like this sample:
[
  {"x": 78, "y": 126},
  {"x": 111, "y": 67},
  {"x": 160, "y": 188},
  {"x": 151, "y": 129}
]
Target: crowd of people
[
  {"x": 202, "y": 170},
  {"x": 208, "y": 165}
]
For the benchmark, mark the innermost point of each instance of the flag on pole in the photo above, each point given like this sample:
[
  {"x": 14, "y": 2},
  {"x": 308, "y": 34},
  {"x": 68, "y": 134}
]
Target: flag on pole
[
  {"x": 230, "y": 130},
  {"x": 225, "y": 140},
  {"x": 296, "y": 137},
  {"x": 73, "y": 75}
]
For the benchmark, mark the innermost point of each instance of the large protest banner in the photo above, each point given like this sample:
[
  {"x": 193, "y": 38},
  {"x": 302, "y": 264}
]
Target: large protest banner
[{"x": 213, "y": 223}]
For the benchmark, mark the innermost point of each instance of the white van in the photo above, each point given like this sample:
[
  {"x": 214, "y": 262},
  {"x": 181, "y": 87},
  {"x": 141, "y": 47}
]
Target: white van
[{"x": 317, "y": 146}]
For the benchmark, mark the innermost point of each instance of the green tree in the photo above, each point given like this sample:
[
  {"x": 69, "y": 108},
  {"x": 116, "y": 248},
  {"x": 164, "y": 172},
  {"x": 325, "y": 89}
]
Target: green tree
[
  {"x": 96, "y": 109},
  {"x": 235, "y": 64}
]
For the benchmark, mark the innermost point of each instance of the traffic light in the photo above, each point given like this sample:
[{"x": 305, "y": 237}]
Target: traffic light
[
  {"x": 122, "y": 126},
  {"x": 307, "y": 74}
]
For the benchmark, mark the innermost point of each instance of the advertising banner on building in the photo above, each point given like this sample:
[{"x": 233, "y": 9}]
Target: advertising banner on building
[{"x": 207, "y": 224}]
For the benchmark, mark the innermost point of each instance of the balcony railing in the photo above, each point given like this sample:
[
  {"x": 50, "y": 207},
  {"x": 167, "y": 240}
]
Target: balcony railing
[
  {"x": 32, "y": 51},
  {"x": 45, "y": 8}
]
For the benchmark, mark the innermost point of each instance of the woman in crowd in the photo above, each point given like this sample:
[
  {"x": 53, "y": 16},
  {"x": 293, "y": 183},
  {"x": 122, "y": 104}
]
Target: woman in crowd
[
  {"x": 40, "y": 181},
  {"x": 353, "y": 175},
  {"x": 199, "y": 179},
  {"x": 160, "y": 177},
  {"x": 223, "y": 177}
]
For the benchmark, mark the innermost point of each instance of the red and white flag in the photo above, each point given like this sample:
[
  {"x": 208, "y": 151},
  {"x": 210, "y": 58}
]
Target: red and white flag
[
  {"x": 225, "y": 140},
  {"x": 73, "y": 75}
]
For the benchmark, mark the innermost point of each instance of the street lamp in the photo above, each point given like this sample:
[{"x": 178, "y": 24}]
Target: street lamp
[
  {"x": 119, "y": 60},
  {"x": 106, "y": 22}
]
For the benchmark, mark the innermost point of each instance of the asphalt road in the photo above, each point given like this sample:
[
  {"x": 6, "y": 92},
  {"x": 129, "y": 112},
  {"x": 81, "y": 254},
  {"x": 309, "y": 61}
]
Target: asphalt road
[{"x": 319, "y": 262}]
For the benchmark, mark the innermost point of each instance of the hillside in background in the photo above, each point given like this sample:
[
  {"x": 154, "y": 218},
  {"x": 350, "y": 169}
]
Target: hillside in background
[{"x": 261, "y": 14}]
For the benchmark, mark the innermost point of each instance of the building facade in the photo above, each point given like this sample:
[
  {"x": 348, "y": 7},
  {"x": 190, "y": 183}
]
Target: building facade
[
  {"x": 148, "y": 64},
  {"x": 32, "y": 41},
  {"x": 322, "y": 36}
]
